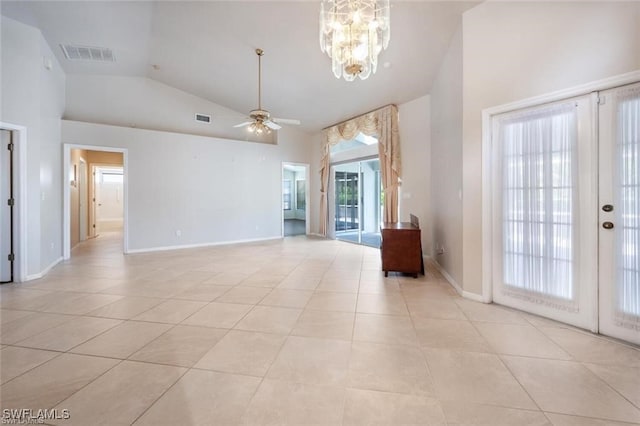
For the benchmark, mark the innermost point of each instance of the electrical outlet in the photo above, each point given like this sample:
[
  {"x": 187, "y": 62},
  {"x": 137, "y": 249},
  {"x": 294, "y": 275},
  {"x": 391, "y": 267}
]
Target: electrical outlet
[
  {"x": 178, "y": 233},
  {"x": 439, "y": 249}
]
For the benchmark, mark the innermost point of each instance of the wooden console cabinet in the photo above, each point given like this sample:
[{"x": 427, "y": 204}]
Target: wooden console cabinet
[{"x": 401, "y": 248}]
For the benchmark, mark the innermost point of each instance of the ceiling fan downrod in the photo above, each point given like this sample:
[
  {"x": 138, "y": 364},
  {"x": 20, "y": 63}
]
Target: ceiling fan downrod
[{"x": 259, "y": 52}]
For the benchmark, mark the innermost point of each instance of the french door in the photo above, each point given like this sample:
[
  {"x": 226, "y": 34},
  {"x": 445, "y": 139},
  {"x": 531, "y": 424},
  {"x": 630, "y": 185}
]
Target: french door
[
  {"x": 619, "y": 262},
  {"x": 566, "y": 211},
  {"x": 545, "y": 198}
]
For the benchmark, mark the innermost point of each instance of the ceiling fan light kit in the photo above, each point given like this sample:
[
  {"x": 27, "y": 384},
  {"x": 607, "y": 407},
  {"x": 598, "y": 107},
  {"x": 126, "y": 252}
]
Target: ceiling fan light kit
[
  {"x": 353, "y": 33},
  {"x": 261, "y": 121}
]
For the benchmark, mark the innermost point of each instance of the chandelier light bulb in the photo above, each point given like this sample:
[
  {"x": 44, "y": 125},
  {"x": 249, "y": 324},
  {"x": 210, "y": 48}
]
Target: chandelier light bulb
[
  {"x": 356, "y": 17},
  {"x": 353, "y": 33}
]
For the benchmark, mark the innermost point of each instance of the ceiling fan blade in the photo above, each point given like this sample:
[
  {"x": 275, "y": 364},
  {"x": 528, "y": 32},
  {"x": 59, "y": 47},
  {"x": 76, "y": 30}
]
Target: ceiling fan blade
[
  {"x": 270, "y": 124},
  {"x": 290, "y": 121},
  {"x": 246, "y": 123}
]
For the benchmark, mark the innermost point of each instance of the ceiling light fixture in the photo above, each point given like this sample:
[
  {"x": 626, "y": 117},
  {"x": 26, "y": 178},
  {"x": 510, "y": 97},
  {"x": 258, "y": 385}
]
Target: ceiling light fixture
[{"x": 353, "y": 33}]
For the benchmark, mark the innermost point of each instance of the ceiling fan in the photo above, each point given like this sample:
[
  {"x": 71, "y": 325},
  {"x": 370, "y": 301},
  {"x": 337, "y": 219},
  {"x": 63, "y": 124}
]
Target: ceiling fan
[{"x": 260, "y": 119}]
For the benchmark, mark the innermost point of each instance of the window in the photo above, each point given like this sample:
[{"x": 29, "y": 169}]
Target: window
[
  {"x": 112, "y": 177},
  {"x": 361, "y": 140},
  {"x": 286, "y": 195},
  {"x": 300, "y": 194}
]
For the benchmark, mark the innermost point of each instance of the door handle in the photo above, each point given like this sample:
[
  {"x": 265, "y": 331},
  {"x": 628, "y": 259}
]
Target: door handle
[
  {"x": 607, "y": 225},
  {"x": 607, "y": 208}
]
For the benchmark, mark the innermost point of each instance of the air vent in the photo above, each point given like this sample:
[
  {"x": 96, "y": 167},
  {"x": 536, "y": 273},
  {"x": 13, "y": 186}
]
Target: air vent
[
  {"x": 203, "y": 118},
  {"x": 87, "y": 53}
]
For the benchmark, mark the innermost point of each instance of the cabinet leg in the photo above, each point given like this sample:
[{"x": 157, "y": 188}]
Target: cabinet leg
[
  {"x": 386, "y": 273},
  {"x": 415, "y": 276}
]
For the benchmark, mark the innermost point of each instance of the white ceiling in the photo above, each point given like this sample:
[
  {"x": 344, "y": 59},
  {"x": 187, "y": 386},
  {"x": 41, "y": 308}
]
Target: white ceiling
[{"x": 207, "y": 48}]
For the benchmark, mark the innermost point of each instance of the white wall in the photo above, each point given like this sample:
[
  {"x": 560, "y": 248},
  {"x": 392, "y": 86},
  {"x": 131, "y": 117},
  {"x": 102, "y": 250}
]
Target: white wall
[
  {"x": 446, "y": 160},
  {"x": 371, "y": 208},
  {"x": 34, "y": 97},
  {"x": 212, "y": 190},
  {"x": 314, "y": 182},
  {"x": 415, "y": 143},
  {"x": 52, "y": 95},
  {"x": 518, "y": 50}
]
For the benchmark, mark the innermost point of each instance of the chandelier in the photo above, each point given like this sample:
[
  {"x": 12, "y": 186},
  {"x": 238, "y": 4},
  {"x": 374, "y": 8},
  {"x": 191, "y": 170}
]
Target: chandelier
[{"x": 353, "y": 33}]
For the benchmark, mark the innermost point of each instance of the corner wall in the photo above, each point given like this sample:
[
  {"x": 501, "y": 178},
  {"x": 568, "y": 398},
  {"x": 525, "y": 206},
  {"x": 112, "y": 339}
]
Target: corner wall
[
  {"x": 415, "y": 151},
  {"x": 446, "y": 161}
]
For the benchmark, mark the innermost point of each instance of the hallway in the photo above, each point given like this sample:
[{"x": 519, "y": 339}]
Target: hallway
[{"x": 294, "y": 331}]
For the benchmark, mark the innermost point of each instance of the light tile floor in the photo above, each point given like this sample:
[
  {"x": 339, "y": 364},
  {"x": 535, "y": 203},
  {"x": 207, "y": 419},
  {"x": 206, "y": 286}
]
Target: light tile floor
[{"x": 295, "y": 331}]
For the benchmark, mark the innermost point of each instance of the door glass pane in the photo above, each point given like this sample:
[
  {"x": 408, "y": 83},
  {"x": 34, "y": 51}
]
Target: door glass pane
[
  {"x": 627, "y": 208},
  {"x": 538, "y": 187}
]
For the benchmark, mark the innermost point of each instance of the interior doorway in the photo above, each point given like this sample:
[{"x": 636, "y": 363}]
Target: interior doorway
[
  {"x": 295, "y": 199},
  {"x": 95, "y": 196}
]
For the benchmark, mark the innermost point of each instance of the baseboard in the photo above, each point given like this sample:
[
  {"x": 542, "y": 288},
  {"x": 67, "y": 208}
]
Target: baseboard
[
  {"x": 45, "y": 271},
  {"x": 200, "y": 245},
  {"x": 474, "y": 297},
  {"x": 455, "y": 285},
  {"x": 446, "y": 275}
]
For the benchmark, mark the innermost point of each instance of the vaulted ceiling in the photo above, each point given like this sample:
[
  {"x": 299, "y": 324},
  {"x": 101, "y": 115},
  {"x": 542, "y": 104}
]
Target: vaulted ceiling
[{"x": 207, "y": 48}]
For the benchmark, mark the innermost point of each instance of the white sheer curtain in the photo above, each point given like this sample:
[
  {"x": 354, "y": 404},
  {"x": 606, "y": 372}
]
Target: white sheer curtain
[
  {"x": 539, "y": 191},
  {"x": 627, "y": 202}
]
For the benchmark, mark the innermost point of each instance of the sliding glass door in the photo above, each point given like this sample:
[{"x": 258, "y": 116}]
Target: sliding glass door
[{"x": 358, "y": 202}]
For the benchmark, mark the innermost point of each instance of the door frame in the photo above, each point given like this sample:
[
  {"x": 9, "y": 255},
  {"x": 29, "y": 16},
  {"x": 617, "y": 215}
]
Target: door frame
[
  {"x": 66, "y": 217},
  {"x": 83, "y": 195},
  {"x": 20, "y": 224},
  {"x": 487, "y": 167},
  {"x": 307, "y": 210}
]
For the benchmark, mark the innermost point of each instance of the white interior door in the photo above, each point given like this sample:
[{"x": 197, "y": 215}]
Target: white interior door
[
  {"x": 544, "y": 211},
  {"x": 5, "y": 208},
  {"x": 619, "y": 260},
  {"x": 109, "y": 198}
]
